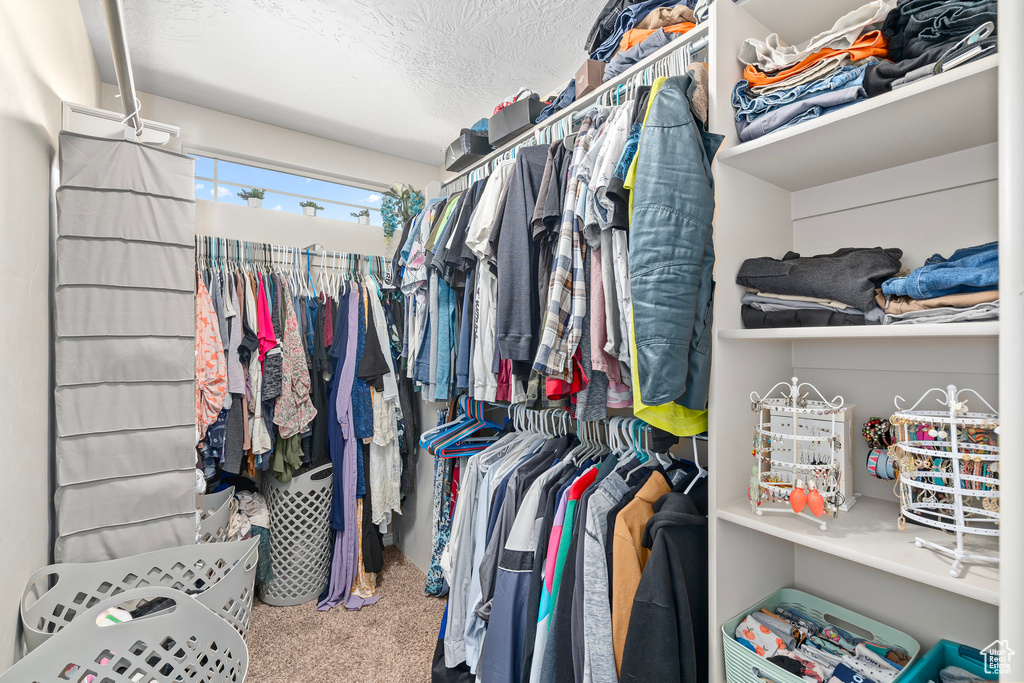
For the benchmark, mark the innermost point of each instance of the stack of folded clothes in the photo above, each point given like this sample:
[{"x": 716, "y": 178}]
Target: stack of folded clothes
[
  {"x": 873, "y": 49},
  {"x": 784, "y": 85},
  {"x": 926, "y": 37},
  {"x": 619, "y": 17},
  {"x": 655, "y": 31},
  {"x": 958, "y": 289},
  {"x": 816, "y": 291}
]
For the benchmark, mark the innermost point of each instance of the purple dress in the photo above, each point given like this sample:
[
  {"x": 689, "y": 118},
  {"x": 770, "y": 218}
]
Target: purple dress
[{"x": 346, "y": 543}]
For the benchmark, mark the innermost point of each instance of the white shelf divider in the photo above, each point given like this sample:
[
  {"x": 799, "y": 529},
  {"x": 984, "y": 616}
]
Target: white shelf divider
[
  {"x": 868, "y": 535},
  {"x": 988, "y": 328}
]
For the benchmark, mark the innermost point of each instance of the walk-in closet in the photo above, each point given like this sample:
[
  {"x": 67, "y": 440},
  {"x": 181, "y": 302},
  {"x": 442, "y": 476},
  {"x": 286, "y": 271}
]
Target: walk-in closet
[{"x": 604, "y": 342}]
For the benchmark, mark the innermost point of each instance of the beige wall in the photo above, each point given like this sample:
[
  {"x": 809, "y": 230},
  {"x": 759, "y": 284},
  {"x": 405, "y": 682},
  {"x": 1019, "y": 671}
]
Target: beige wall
[
  {"x": 45, "y": 57},
  {"x": 246, "y": 140}
]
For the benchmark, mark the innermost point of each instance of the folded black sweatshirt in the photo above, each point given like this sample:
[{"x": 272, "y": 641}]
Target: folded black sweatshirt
[{"x": 850, "y": 275}]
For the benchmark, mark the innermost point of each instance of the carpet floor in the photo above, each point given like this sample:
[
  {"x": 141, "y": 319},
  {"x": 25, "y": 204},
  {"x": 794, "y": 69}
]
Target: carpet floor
[{"x": 390, "y": 642}]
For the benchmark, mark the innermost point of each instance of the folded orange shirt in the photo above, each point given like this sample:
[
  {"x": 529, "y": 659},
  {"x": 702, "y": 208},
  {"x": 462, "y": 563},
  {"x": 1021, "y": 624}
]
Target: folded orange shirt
[
  {"x": 635, "y": 36},
  {"x": 872, "y": 44}
]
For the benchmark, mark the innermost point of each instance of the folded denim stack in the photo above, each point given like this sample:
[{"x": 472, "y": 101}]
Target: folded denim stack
[
  {"x": 927, "y": 37},
  {"x": 880, "y": 46},
  {"x": 827, "y": 290},
  {"x": 961, "y": 288}
]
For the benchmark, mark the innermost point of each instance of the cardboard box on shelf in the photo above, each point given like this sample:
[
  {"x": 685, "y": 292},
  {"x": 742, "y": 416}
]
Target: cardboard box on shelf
[{"x": 589, "y": 77}]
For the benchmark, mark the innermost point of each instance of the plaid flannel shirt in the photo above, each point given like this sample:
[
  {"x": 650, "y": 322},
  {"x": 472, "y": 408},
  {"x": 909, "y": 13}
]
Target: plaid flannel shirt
[{"x": 567, "y": 293}]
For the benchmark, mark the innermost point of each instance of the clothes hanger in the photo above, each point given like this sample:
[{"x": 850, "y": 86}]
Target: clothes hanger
[
  {"x": 462, "y": 441},
  {"x": 701, "y": 472},
  {"x": 640, "y": 455}
]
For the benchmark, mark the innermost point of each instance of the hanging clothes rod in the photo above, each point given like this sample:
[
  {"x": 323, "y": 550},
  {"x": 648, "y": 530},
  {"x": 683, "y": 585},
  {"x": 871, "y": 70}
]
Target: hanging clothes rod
[
  {"x": 671, "y": 60},
  {"x": 114, "y": 12},
  {"x": 561, "y": 416},
  {"x": 221, "y": 252},
  {"x": 207, "y": 244}
]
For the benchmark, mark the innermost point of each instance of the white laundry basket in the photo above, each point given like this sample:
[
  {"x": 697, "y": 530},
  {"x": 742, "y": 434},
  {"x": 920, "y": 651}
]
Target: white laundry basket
[
  {"x": 182, "y": 641},
  {"x": 219, "y": 575},
  {"x": 300, "y": 536},
  {"x": 215, "y": 515}
]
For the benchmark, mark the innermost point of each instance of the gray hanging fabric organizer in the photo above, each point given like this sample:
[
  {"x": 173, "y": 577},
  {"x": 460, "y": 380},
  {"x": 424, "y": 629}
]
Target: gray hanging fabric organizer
[{"x": 124, "y": 348}]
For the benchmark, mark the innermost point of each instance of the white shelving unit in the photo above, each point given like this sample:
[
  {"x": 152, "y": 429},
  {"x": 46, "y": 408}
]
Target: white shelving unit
[{"x": 918, "y": 169}]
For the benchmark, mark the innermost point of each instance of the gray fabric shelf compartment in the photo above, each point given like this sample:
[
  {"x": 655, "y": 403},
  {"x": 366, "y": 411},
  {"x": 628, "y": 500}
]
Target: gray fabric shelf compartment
[{"x": 124, "y": 347}]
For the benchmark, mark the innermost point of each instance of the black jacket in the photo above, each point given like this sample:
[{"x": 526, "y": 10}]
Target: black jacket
[{"x": 667, "y": 638}]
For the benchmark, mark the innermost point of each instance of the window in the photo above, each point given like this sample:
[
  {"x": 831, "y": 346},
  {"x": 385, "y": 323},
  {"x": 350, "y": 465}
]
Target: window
[{"x": 221, "y": 181}]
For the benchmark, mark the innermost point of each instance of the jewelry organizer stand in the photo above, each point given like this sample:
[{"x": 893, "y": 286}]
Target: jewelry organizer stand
[
  {"x": 783, "y": 457},
  {"x": 947, "y": 482}
]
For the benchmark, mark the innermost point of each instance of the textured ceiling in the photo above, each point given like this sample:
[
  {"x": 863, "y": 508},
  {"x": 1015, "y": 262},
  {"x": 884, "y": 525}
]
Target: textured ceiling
[{"x": 399, "y": 76}]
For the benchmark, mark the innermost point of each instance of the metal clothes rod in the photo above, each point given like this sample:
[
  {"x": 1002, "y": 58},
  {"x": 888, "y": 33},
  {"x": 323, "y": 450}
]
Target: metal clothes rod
[
  {"x": 332, "y": 266},
  {"x": 572, "y": 424},
  {"x": 671, "y": 60},
  {"x": 209, "y": 245},
  {"x": 114, "y": 12}
]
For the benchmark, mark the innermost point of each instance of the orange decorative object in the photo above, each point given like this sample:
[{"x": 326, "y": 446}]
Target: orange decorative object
[
  {"x": 815, "y": 502},
  {"x": 798, "y": 498}
]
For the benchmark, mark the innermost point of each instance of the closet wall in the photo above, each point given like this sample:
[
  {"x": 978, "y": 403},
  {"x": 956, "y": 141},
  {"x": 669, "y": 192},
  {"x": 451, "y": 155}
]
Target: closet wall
[
  {"x": 45, "y": 57},
  {"x": 247, "y": 141}
]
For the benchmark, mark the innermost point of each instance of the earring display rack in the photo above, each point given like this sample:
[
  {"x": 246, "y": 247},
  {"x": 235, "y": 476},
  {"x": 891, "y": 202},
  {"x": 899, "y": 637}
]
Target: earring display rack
[
  {"x": 797, "y": 444},
  {"x": 949, "y": 471}
]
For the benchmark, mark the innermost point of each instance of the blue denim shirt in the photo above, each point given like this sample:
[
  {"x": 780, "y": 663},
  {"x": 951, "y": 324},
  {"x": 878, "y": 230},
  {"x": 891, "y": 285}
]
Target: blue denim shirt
[{"x": 971, "y": 269}]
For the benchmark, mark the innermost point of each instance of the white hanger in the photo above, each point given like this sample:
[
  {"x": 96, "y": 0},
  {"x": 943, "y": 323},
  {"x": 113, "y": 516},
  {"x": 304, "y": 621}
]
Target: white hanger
[
  {"x": 701, "y": 472},
  {"x": 322, "y": 287}
]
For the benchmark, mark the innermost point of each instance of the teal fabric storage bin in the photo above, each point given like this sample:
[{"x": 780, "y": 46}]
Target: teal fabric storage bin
[
  {"x": 744, "y": 666},
  {"x": 947, "y": 653}
]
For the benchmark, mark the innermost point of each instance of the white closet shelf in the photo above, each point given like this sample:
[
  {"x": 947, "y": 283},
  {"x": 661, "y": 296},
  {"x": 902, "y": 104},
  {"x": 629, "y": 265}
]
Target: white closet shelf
[
  {"x": 868, "y": 535},
  {"x": 988, "y": 328},
  {"x": 939, "y": 115}
]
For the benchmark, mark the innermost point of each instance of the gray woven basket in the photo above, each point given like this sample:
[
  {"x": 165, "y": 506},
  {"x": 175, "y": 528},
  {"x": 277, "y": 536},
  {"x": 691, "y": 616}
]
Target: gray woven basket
[
  {"x": 219, "y": 575},
  {"x": 300, "y": 536},
  {"x": 183, "y": 641},
  {"x": 215, "y": 515}
]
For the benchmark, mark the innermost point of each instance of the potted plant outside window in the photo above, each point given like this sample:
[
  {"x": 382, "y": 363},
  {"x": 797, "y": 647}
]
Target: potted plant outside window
[
  {"x": 363, "y": 216},
  {"x": 310, "y": 207},
  {"x": 254, "y": 196}
]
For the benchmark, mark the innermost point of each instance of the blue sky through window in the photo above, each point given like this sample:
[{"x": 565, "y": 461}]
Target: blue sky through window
[{"x": 233, "y": 177}]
